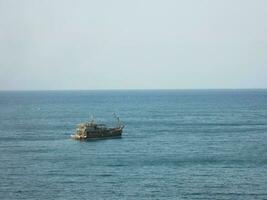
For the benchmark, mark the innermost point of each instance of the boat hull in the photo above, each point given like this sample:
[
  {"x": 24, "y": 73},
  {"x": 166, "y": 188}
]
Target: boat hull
[{"x": 109, "y": 133}]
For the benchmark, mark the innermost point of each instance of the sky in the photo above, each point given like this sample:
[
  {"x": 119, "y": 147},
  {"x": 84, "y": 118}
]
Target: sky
[{"x": 140, "y": 44}]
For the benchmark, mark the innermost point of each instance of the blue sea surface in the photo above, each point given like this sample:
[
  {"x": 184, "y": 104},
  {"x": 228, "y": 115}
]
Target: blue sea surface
[{"x": 177, "y": 144}]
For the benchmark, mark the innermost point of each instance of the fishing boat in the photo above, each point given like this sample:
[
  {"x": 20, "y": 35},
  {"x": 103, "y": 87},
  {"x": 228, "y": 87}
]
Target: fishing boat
[{"x": 94, "y": 130}]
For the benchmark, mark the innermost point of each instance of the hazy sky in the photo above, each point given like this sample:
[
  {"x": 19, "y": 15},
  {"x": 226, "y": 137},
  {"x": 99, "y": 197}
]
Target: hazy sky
[{"x": 123, "y": 44}]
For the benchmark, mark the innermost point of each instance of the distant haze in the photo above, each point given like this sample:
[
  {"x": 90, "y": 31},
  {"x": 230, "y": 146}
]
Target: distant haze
[{"x": 137, "y": 44}]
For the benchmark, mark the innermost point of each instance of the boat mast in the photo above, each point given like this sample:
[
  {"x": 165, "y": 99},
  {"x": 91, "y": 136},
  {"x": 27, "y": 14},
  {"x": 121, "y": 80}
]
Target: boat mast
[
  {"x": 92, "y": 118},
  {"x": 118, "y": 120}
]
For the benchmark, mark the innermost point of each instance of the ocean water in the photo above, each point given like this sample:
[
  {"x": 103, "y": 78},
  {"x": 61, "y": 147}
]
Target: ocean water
[{"x": 177, "y": 144}]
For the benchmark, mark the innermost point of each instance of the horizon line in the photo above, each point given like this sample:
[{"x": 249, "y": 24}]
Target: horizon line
[{"x": 131, "y": 89}]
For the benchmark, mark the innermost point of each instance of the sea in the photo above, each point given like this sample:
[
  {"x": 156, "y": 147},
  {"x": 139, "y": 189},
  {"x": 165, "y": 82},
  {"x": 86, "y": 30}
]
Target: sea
[{"x": 176, "y": 144}]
